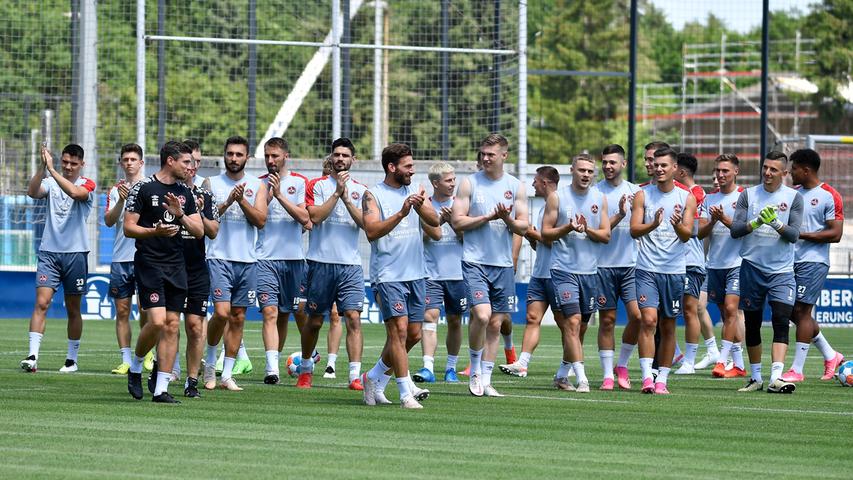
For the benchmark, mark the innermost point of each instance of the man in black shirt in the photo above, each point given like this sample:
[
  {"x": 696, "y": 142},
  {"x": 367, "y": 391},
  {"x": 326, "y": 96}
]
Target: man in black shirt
[{"x": 156, "y": 208}]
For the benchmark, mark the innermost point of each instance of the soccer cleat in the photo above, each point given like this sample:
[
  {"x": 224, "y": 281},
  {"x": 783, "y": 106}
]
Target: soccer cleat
[
  {"x": 583, "y": 387},
  {"x": 368, "y": 394},
  {"x": 423, "y": 375},
  {"x": 122, "y": 369},
  {"x": 489, "y": 391},
  {"x": 660, "y": 389},
  {"x": 719, "y": 370},
  {"x": 134, "y": 385},
  {"x": 735, "y": 372},
  {"x": 622, "y": 378},
  {"x": 830, "y": 366},
  {"x": 466, "y": 372},
  {"x": 381, "y": 399},
  {"x": 230, "y": 385},
  {"x": 191, "y": 390},
  {"x": 792, "y": 376},
  {"x": 706, "y": 361},
  {"x": 304, "y": 380},
  {"x": 209, "y": 377},
  {"x": 510, "y": 355},
  {"x": 409, "y": 402},
  {"x": 563, "y": 383},
  {"x": 152, "y": 378},
  {"x": 474, "y": 385},
  {"x": 29, "y": 364},
  {"x": 175, "y": 376},
  {"x": 685, "y": 369},
  {"x": 450, "y": 376},
  {"x": 165, "y": 397},
  {"x": 69, "y": 367},
  {"x": 514, "y": 369},
  {"x": 752, "y": 385},
  {"x": 648, "y": 386},
  {"x": 356, "y": 385},
  {"x": 677, "y": 359},
  {"x": 330, "y": 372},
  {"x": 148, "y": 362},
  {"x": 607, "y": 384},
  {"x": 420, "y": 394},
  {"x": 316, "y": 357},
  {"x": 781, "y": 386},
  {"x": 272, "y": 379},
  {"x": 242, "y": 367}
]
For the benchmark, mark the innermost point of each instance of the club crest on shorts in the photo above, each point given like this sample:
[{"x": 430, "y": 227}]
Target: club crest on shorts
[
  {"x": 114, "y": 290},
  {"x": 291, "y": 189},
  {"x": 312, "y": 306},
  {"x": 602, "y": 300},
  {"x": 42, "y": 278},
  {"x": 747, "y": 302},
  {"x": 508, "y": 195},
  {"x": 783, "y": 207},
  {"x": 642, "y": 298},
  {"x": 712, "y": 294},
  {"x": 264, "y": 297},
  {"x": 398, "y": 307},
  {"x": 154, "y": 298},
  {"x": 427, "y": 299},
  {"x": 593, "y": 208},
  {"x": 814, "y": 202},
  {"x": 567, "y": 295},
  {"x": 478, "y": 294},
  {"x": 217, "y": 292}
]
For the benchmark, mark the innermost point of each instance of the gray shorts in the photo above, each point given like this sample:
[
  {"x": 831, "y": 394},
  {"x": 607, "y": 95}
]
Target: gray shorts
[
  {"x": 722, "y": 282},
  {"x": 401, "y": 299},
  {"x": 122, "y": 281},
  {"x": 279, "y": 283},
  {"x": 661, "y": 291},
  {"x": 332, "y": 282},
  {"x": 693, "y": 281},
  {"x": 756, "y": 287},
  {"x": 616, "y": 283},
  {"x": 809, "y": 277},
  {"x": 575, "y": 293},
  {"x": 67, "y": 269},
  {"x": 233, "y": 282},
  {"x": 490, "y": 284},
  {"x": 542, "y": 290}
]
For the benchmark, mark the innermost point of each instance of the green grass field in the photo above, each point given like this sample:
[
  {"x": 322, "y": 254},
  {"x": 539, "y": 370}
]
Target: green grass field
[{"x": 85, "y": 425}]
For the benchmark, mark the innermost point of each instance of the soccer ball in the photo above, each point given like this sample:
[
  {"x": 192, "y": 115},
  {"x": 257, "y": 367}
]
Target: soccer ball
[
  {"x": 293, "y": 362},
  {"x": 845, "y": 374}
]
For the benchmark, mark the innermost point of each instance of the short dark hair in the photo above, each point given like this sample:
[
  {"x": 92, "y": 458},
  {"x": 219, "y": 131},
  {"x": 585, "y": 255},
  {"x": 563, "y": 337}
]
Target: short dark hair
[
  {"x": 73, "y": 150},
  {"x": 549, "y": 173},
  {"x": 343, "y": 142},
  {"x": 236, "y": 140},
  {"x": 656, "y": 145},
  {"x": 173, "y": 149},
  {"x": 776, "y": 155},
  {"x": 393, "y": 153},
  {"x": 728, "y": 157},
  {"x": 806, "y": 157},
  {"x": 130, "y": 147},
  {"x": 278, "y": 142},
  {"x": 687, "y": 161},
  {"x": 495, "y": 139},
  {"x": 666, "y": 152},
  {"x": 192, "y": 144},
  {"x": 613, "y": 148}
]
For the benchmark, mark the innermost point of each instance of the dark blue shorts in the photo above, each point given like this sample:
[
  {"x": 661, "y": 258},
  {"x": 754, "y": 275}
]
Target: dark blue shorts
[
  {"x": 757, "y": 286},
  {"x": 809, "y": 277},
  {"x": 490, "y": 284},
  {"x": 401, "y": 299},
  {"x": 661, "y": 291},
  {"x": 279, "y": 283},
  {"x": 452, "y": 293},
  {"x": 693, "y": 281},
  {"x": 198, "y": 290},
  {"x": 542, "y": 290},
  {"x": 575, "y": 293},
  {"x": 722, "y": 282},
  {"x": 67, "y": 269},
  {"x": 616, "y": 283},
  {"x": 331, "y": 282},
  {"x": 233, "y": 282},
  {"x": 122, "y": 281}
]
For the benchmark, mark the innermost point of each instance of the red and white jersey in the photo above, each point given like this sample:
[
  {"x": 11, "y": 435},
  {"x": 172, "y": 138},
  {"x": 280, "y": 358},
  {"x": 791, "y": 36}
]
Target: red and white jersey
[
  {"x": 65, "y": 227},
  {"x": 335, "y": 239},
  {"x": 820, "y": 205},
  {"x": 281, "y": 237}
]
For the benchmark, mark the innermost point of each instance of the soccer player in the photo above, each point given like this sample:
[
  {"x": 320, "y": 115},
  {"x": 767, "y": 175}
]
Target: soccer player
[
  {"x": 281, "y": 260},
  {"x": 334, "y": 264},
  {"x": 157, "y": 207},
  {"x": 724, "y": 262},
  {"x": 232, "y": 258},
  {"x": 576, "y": 222},
  {"x": 768, "y": 218},
  {"x": 540, "y": 291},
  {"x": 198, "y": 276},
  {"x": 823, "y": 223},
  {"x": 444, "y": 284},
  {"x": 616, "y": 267},
  {"x": 662, "y": 219},
  {"x": 333, "y": 336},
  {"x": 122, "y": 283},
  {"x": 490, "y": 206},
  {"x": 64, "y": 249},
  {"x": 393, "y": 212}
]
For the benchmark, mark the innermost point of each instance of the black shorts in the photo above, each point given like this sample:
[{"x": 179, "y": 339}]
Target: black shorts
[
  {"x": 198, "y": 291},
  {"x": 161, "y": 285}
]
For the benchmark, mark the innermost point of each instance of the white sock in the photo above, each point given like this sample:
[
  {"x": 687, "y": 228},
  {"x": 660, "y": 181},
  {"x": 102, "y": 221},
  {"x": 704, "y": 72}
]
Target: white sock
[
  {"x": 306, "y": 365},
  {"x": 382, "y": 383},
  {"x": 824, "y": 346},
  {"x": 625, "y": 352},
  {"x": 210, "y": 355},
  {"x": 272, "y": 362},
  {"x": 429, "y": 363},
  {"x": 228, "y": 367},
  {"x": 606, "y": 357},
  {"x": 487, "y": 372},
  {"x": 690, "y": 353},
  {"x": 375, "y": 373},
  {"x": 756, "y": 372},
  {"x": 136, "y": 364},
  {"x": 451, "y": 362},
  {"x": 737, "y": 355},
  {"x": 776, "y": 369},
  {"x": 507, "y": 341},
  {"x": 125, "y": 355},
  {"x": 663, "y": 374},
  {"x": 35, "y": 343},
  {"x": 524, "y": 359},
  {"x": 73, "y": 348},
  {"x": 176, "y": 367},
  {"x": 711, "y": 346},
  {"x": 580, "y": 373},
  {"x": 330, "y": 362},
  {"x": 354, "y": 370},
  {"x": 800, "y": 353},
  {"x": 476, "y": 356},
  {"x": 563, "y": 371},
  {"x": 162, "y": 382},
  {"x": 241, "y": 353},
  {"x": 646, "y": 367},
  {"x": 403, "y": 386},
  {"x": 724, "y": 352}
]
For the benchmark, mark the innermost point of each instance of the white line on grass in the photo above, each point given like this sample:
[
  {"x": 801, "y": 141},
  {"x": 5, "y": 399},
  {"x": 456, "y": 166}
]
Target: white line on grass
[{"x": 787, "y": 410}]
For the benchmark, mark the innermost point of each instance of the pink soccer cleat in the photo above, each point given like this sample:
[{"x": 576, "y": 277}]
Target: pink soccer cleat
[
  {"x": 830, "y": 366},
  {"x": 792, "y": 376},
  {"x": 607, "y": 384},
  {"x": 622, "y": 378},
  {"x": 648, "y": 386},
  {"x": 660, "y": 389}
]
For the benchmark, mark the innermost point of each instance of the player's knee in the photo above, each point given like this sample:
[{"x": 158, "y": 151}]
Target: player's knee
[
  {"x": 780, "y": 318},
  {"x": 649, "y": 321},
  {"x": 194, "y": 329},
  {"x": 533, "y": 319}
]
